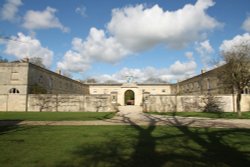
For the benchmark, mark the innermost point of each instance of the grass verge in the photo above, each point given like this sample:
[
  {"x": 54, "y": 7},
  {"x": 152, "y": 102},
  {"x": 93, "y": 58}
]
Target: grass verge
[
  {"x": 125, "y": 146},
  {"x": 226, "y": 115},
  {"x": 55, "y": 116}
]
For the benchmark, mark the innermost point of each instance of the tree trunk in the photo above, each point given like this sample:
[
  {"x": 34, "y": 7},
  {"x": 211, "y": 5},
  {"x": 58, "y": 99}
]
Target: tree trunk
[{"x": 238, "y": 99}]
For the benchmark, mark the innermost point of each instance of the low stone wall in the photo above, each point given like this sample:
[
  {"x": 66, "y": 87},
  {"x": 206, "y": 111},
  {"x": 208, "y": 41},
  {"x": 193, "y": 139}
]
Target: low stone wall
[
  {"x": 245, "y": 102},
  {"x": 102, "y": 103},
  {"x": 54, "y": 103},
  {"x": 159, "y": 103},
  {"x": 12, "y": 102}
]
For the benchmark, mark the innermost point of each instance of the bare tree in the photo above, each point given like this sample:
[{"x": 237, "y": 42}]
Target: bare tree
[
  {"x": 153, "y": 80},
  {"x": 89, "y": 81},
  {"x": 37, "y": 61},
  {"x": 3, "y": 60},
  {"x": 111, "y": 82},
  {"x": 67, "y": 74},
  {"x": 236, "y": 73}
]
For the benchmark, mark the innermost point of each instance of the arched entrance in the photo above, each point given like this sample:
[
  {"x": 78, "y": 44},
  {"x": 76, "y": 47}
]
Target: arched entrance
[{"x": 129, "y": 97}]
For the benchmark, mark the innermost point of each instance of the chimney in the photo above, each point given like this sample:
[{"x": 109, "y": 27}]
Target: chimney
[
  {"x": 203, "y": 71},
  {"x": 58, "y": 71},
  {"x": 26, "y": 59}
]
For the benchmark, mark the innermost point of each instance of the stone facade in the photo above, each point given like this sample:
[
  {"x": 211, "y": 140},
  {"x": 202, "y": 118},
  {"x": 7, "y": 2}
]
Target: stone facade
[
  {"x": 204, "y": 83},
  {"x": 117, "y": 91},
  {"x": 187, "y": 103},
  {"x": 27, "y": 78},
  {"x": 27, "y": 87},
  {"x": 55, "y": 103},
  {"x": 14, "y": 78}
]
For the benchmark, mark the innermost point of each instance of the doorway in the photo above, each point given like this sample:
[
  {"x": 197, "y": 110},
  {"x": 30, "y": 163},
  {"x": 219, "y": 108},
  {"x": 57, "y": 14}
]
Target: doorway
[{"x": 129, "y": 97}]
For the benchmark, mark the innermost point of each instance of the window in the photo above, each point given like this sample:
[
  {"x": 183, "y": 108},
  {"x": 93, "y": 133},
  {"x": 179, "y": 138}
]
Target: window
[
  {"x": 13, "y": 90},
  {"x": 50, "y": 82},
  {"x": 191, "y": 86},
  {"x": 163, "y": 90},
  {"x": 246, "y": 91},
  {"x": 105, "y": 91},
  {"x": 40, "y": 80}
]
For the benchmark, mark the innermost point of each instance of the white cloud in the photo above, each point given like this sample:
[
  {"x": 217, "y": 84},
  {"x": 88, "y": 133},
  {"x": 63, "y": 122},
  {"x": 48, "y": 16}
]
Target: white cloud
[
  {"x": 43, "y": 20},
  {"x": 205, "y": 51},
  {"x": 10, "y": 9},
  {"x": 139, "y": 28},
  {"x": 22, "y": 46},
  {"x": 74, "y": 62},
  {"x": 97, "y": 47},
  {"x": 246, "y": 24},
  {"x": 229, "y": 45},
  {"x": 81, "y": 10},
  {"x": 177, "y": 71}
]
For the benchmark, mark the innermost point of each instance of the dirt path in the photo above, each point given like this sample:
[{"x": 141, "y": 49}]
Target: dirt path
[{"x": 139, "y": 118}]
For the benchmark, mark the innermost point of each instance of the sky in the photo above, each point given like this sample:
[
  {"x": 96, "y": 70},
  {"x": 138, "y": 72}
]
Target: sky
[{"x": 170, "y": 40}]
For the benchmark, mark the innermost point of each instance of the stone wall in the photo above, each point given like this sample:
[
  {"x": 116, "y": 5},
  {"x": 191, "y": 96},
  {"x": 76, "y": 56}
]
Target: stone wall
[
  {"x": 53, "y": 103},
  {"x": 245, "y": 102},
  {"x": 13, "y": 76},
  {"x": 54, "y": 83},
  {"x": 103, "y": 103},
  {"x": 12, "y": 102},
  {"x": 160, "y": 103},
  {"x": 204, "y": 83},
  {"x": 28, "y": 78},
  {"x": 138, "y": 89}
]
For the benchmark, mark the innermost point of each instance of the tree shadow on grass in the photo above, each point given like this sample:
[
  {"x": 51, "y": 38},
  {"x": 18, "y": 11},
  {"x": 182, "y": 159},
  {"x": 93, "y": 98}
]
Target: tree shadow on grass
[
  {"x": 217, "y": 150},
  {"x": 12, "y": 126},
  {"x": 106, "y": 116},
  {"x": 176, "y": 146}
]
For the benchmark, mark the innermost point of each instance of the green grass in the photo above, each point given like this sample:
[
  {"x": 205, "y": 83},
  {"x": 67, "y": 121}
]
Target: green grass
[
  {"x": 55, "y": 116},
  {"x": 122, "y": 146},
  {"x": 227, "y": 115}
]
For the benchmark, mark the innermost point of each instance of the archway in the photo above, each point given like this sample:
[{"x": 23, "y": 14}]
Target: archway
[{"x": 129, "y": 97}]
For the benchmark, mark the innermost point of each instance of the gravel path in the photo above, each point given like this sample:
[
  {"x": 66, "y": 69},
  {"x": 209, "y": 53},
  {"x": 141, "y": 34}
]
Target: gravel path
[{"x": 139, "y": 118}]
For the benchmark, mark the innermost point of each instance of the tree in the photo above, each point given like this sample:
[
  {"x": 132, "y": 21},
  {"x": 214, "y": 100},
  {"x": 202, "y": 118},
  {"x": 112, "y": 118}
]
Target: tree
[
  {"x": 212, "y": 104},
  {"x": 37, "y": 61},
  {"x": 67, "y": 74},
  {"x": 89, "y": 81},
  {"x": 3, "y": 60},
  {"x": 153, "y": 80},
  {"x": 111, "y": 82},
  {"x": 236, "y": 73}
]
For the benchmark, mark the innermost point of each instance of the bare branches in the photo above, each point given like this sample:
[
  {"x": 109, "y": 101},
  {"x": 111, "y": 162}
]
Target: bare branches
[{"x": 236, "y": 74}]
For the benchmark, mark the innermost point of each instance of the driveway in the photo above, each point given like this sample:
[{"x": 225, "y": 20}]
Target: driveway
[{"x": 139, "y": 118}]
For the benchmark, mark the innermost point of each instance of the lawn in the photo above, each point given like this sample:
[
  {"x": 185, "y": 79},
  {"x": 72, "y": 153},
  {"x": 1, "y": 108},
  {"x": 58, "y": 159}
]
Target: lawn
[
  {"x": 55, "y": 116},
  {"x": 227, "y": 115},
  {"x": 122, "y": 146}
]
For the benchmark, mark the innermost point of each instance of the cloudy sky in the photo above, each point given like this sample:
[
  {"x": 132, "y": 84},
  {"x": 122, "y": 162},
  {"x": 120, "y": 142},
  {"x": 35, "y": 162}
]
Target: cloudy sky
[{"x": 111, "y": 39}]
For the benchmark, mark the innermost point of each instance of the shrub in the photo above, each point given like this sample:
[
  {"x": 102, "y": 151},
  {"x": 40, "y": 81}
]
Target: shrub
[{"x": 212, "y": 104}]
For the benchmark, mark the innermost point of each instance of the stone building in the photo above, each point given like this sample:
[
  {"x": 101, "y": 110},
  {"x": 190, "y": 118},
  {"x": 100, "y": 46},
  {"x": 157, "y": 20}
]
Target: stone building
[
  {"x": 208, "y": 82},
  {"x": 27, "y": 87},
  {"x": 204, "y": 83},
  {"x": 28, "y": 78},
  {"x": 130, "y": 93}
]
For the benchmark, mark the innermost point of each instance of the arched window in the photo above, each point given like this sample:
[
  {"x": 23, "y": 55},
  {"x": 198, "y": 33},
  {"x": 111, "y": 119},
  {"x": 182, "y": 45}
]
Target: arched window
[
  {"x": 14, "y": 90},
  {"x": 246, "y": 90}
]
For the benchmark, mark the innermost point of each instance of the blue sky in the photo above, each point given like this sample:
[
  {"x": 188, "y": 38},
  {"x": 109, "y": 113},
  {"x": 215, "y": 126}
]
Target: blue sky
[{"x": 112, "y": 39}]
